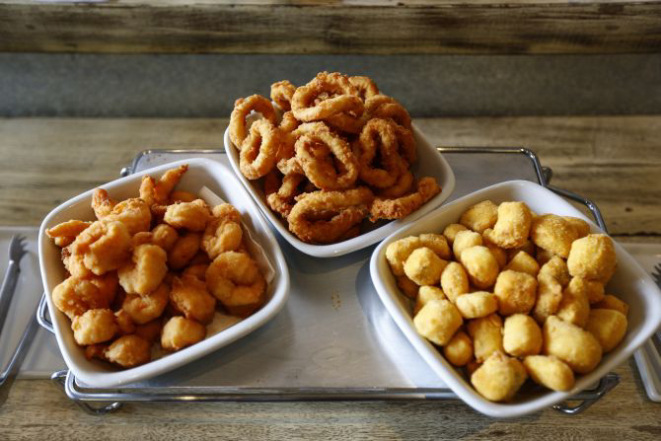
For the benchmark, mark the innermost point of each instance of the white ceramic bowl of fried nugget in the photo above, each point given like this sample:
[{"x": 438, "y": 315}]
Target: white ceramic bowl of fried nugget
[
  {"x": 630, "y": 283},
  {"x": 430, "y": 163},
  {"x": 201, "y": 173}
]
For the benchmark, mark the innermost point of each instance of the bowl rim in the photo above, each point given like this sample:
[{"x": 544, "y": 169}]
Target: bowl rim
[
  {"x": 448, "y": 373},
  {"x": 280, "y": 291},
  {"x": 363, "y": 240}
]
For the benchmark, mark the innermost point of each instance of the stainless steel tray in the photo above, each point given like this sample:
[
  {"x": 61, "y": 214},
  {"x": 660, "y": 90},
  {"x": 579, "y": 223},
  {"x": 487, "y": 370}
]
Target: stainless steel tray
[{"x": 334, "y": 340}]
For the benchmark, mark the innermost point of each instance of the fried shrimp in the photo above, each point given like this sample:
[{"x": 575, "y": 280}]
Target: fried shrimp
[
  {"x": 76, "y": 296},
  {"x": 282, "y": 93},
  {"x": 235, "y": 280},
  {"x": 180, "y": 332},
  {"x": 145, "y": 308},
  {"x": 238, "y": 127},
  {"x": 401, "y": 207},
  {"x": 104, "y": 246},
  {"x": 223, "y": 232},
  {"x": 134, "y": 213},
  {"x": 183, "y": 250},
  {"x": 326, "y": 95},
  {"x": 189, "y": 296},
  {"x": 259, "y": 151},
  {"x": 129, "y": 351},
  {"x": 65, "y": 233},
  {"x": 94, "y": 326},
  {"x": 157, "y": 193},
  {"x": 347, "y": 208},
  {"x": 102, "y": 203},
  {"x": 145, "y": 272},
  {"x": 193, "y": 216}
]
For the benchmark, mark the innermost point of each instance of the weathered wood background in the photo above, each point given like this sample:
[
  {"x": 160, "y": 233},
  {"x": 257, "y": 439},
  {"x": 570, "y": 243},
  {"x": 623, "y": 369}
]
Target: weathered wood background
[{"x": 333, "y": 27}]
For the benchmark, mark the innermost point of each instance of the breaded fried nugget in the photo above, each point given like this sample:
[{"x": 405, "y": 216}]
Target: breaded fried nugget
[
  {"x": 553, "y": 233},
  {"x": 480, "y": 216},
  {"x": 513, "y": 225},
  {"x": 593, "y": 257}
]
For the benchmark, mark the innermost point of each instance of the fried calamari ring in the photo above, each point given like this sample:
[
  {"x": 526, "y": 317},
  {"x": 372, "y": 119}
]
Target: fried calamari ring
[
  {"x": 347, "y": 208},
  {"x": 326, "y": 95},
  {"x": 259, "y": 150},
  {"x": 282, "y": 93},
  {"x": 313, "y": 152},
  {"x": 382, "y": 106},
  {"x": 242, "y": 108},
  {"x": 365, "y": 86},
  {"x": 378, "y": 143},
  {"x": 405, "y": 205},
  {"x": 280, "y": 194},
  {"x": 403, "y": 186},
  {"x": 287, "y": 137},
  {"x": 347, "y": 123}
]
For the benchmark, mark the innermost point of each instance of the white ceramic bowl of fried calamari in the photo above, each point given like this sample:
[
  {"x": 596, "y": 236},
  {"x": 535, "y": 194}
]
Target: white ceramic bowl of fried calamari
[
  {"x": 201, "y": 173},
  {"x": 430, "y": 163},
  {"x": 630, "y": 283}
]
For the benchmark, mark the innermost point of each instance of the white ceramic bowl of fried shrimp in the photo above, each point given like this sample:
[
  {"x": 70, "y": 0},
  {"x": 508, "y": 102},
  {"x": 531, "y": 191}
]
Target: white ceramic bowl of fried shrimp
[
  {"x": 201, "y": 173},
  {"x": 430, "y": 163},
  {"x": 630, "y": 283}
]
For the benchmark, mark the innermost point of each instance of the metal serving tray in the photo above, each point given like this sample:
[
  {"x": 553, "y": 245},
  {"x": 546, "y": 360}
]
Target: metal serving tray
[{"x": 334, "y": 340}]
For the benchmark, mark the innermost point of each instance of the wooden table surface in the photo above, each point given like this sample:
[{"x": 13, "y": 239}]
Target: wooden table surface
[{"x": 615, "y": 160}]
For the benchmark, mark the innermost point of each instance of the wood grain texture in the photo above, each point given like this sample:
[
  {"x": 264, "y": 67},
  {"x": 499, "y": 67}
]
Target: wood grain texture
[
  {"x": 333, "y": 27},
  {"x": 614, "y": 160}
]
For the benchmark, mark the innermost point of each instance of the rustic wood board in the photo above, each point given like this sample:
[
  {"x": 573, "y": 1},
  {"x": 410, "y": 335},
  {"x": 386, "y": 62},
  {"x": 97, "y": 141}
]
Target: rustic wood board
[{"x": 332, "y": 27}]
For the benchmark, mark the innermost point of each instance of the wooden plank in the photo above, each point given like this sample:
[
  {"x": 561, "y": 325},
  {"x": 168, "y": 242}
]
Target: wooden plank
[
  {"x": 333, "y": 27},
  {"x": 616, "y": 161}
]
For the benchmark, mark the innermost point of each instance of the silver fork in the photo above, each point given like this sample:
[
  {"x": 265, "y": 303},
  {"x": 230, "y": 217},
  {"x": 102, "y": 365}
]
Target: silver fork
[{"x": 16, "y": 252}]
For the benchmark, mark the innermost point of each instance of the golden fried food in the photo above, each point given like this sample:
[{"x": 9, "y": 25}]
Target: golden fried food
[
  {"x": 574, "y": 307},
  {"x": 134, "y": 213},
  {"x": 148, "y": 307},
  {"x": 424, "y": 295},
  {"x": 281, "y": 93},
  {"x": 223, "y": 233},
  {"x": 437, "y": 243},
  {"x": 408, "y": 287},
  {"x": 150, "y": 331},
  {"x": 487, "y": 335},
  {"x": 234, "y": 279},
  {"x": 184, "y": 249},
  {"x": 164, "y": 236},
  {"x": 581, "y": 227},
  {"x": 199, "y": 270},
  {"x": 464, "y": 240},
  {"x": 450, "y": 232},
  {"x": 181, "y": 196},
  {"x": 259, "y": 151},
  {"x": 281, "y": 193},
  {"x": 513, "y": 225},
  {"x": 94, "y": 326},
  {"x": 365, "y": 87},
  {"x": 238, "y": 128},
  {"x": 326, "y": 95},
  {"x": 189, "y": 296},
  {"x": 527, "y": 246},
  {"x": 549, "y": 371},
  {"x": 454, "y": 281},
  {"x": 608, "y": 326},
  {"x": 593, "y": 257},
  {"x": 378, "y": 139},
  {"x": 129, "y": 351},
  {"x": 549, "y": 296},
  {"x": 498, "y": 253},
  {"x": 401, "y": 207},
  {"x": 556, "y": 267},
  {"x": 516, "y": 292},
  {"x": 499, "y": 377},
  {"x": 521, "y": 336},
  {"x": 571, "y": 344},
  {"x": 553, "y": 233},
  {"x": 193, "y": 216},
  {"x": 124, "y": 322},
  {"x": 397, "y": 252},
  {"x": 477, "y": 304},
  {"x": 611, "y": 302},
  {"x": 382, "y": 106},
  {"x": 65, "y": 233},
  {"x": 424, "y": 267},
  {"x": 480, "y": 216},
  {"x": 75, "y": 296},
  {"x": 437, "y": 321},
  {"x": 459, "y": 350},
  {"x": 180, "y": 332},
  {"x": 146, "y": 270},
  {"x": 523, "y": 263},
  {"x": 103, "y": 246},
  {"x": 481, "y": 266}
]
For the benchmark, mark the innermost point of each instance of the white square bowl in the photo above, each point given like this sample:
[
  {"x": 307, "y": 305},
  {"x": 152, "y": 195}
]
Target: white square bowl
[
  {"x": 201, "y": 172},
  {"x": 430, "y": 163},
  {"x": 631, "y": 283}
]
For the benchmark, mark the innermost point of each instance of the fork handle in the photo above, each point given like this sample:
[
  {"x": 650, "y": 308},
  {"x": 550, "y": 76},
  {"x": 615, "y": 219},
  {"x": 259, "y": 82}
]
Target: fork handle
[{"x": 7, "y": 290}]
